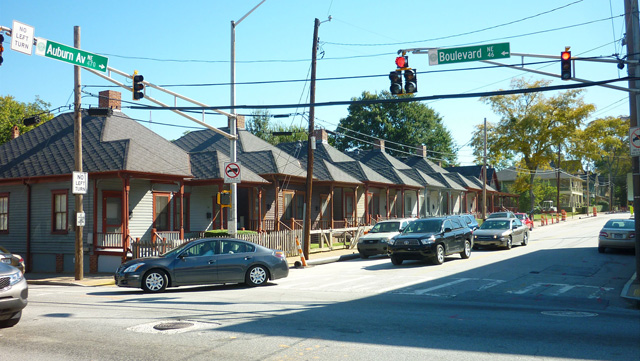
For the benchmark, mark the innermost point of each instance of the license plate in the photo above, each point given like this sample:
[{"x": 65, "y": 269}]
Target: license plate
[{"x": 617, "y": 235}]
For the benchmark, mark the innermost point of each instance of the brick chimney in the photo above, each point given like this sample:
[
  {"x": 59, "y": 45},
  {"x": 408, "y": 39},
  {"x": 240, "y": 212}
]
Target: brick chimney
[
  {"x": 422, "y": 151},
  {"x": 240, "y": 124},
  {"x": 110, "y": 99},
  {"x": 15, "y": 132},
  {"x": 378, "y": 144},
  {"x": 321, "y": 135}
]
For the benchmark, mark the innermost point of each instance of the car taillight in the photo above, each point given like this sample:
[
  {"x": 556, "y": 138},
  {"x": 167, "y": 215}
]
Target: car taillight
[
  {"x": 632, "y": 235},
  {"x": 604, "y": 234},
  {"x": 280, "y": 254}
]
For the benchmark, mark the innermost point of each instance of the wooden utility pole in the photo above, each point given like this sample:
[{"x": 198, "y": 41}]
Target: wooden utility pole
[
  {"x": 311, "y": 144},
  {"x": 77, "y": 144},
  {"x": 484, "y": 174},
  {"x": 633, "y": 46}
]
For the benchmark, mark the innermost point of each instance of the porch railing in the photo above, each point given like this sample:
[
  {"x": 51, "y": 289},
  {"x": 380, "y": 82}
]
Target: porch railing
[{"x": 109, "y": 240}]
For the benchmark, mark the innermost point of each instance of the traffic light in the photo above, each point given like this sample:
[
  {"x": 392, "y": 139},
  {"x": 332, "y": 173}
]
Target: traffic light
[
  {"x": 224, "y": 199},
  {"x": 138, "y": 87},
  {"x": 396, "y": 82},
  {"x": 410, "y": 81},
  {"x": 402, "y": 62},
  {"x": 565, "y": 65},
  {"x": 1, "y": 47}
]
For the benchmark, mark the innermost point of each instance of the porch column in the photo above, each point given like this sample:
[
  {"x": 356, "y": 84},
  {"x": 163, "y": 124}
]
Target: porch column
[
  {"x": 277, "y": 200},
  {"x": 260, "y": 209},
  {"x": 366, "y": 204},
  {"x": 402, "y": 194},
  {"x": 95, "y": 213},
  {"x": 181, "y": 197},
  {"x": 386, "y": 207},
  {"x": 125, "y": 213}
]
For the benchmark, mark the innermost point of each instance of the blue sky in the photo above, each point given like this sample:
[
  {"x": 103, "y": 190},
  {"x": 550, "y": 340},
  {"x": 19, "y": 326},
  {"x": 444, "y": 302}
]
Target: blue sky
[{"x": 181, "y": 44}]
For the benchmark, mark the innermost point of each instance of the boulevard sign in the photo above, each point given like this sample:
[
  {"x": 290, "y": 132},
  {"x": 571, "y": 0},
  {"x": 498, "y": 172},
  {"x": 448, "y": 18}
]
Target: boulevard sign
[
  {"x": 53, "y": 50},
  {"x": 469, "y": 53}
]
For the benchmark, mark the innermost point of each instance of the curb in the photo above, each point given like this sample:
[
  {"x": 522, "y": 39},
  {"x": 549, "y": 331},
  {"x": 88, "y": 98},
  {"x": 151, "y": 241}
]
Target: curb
[
  {"x": 631, "y": 290},
  {"x": 345, "y": 257}
]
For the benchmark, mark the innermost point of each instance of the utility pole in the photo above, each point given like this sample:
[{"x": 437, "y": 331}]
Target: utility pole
[
  {"x": 77, "y": 131},
  {"x": 311, "y": 144},
  {"x": 558, "y": 181},
  {"x": 633, "y": 46},
  {"x": 484, "y": 172}
]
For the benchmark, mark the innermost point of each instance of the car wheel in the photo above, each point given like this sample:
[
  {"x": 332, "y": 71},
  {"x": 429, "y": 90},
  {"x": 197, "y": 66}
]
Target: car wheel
[
  {"x": 257, "y": 276},
  {"x": 12, "y": 321},
  {"x": 601, "y": 249},
  {"x": 525, "y": 239},
  {"x": 467, "y": 250},
  {"x": 396, "y": 261},
  {"x": 509, "y": 243},
  {"x": 439, "y": 257},
  {"x": 154, "y": 281}
]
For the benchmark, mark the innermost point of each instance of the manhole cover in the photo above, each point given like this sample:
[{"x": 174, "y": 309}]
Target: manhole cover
[
  {"x": 172, "y": 326},
  {"x": 569, "y": 314}
]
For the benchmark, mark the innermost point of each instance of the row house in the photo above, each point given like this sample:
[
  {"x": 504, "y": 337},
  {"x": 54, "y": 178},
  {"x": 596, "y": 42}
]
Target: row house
[{"x": 142, "y": 186}]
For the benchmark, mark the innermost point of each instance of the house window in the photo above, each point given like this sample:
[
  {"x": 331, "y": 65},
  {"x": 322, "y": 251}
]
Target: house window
[
  {"x": 293, "y": 205},
  {"x": 348, "y": 206},
  {"x": 4, "y": 212},
  {"x": 161, "y": 211},
  {"x": 60, "y": 205}
]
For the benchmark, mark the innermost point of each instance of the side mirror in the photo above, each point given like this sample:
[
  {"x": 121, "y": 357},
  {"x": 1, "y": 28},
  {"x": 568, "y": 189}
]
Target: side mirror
[{"x": 447, "y": 229}]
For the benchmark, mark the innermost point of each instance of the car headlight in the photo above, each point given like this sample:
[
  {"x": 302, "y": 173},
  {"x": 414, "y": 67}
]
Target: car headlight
[
  {"x": 15, "y": 278},
  {"x": 428, "y": 240},
  {"x": 391, "y": 241},
  {"x": 134, "y": 267},
  {"x": 386, "y": 240}
]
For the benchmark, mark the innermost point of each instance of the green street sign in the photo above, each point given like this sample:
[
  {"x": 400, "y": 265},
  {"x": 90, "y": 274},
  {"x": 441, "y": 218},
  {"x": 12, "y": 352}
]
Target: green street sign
[
  {"x": 469, "y": 53},
  {"x": 53, "y": 50}
]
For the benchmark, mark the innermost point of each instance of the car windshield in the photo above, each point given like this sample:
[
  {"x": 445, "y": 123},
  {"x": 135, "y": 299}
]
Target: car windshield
[
  {"x": 385, "y": 227},
  {"x": 621, "y": 224},
  {"x": 424, "y": 226},
  {"x": 499, "y": 215},
  {"x": 520, "y": 216},
  {"x": 495, "y": 225}
]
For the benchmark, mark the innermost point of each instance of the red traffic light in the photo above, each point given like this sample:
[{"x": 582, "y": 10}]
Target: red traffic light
[
  {"x": 402, "y": 62},
  {"x": 565, "y": 55}
]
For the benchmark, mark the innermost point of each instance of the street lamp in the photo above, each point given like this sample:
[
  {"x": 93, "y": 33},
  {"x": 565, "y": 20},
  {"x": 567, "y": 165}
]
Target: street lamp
[{"x": 231, "y": 222}]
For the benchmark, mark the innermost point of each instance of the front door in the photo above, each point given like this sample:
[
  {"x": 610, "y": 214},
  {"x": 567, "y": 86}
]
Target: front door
[
  {"x": 197, "y": 265},
  {"x": 111, "y": 212}
]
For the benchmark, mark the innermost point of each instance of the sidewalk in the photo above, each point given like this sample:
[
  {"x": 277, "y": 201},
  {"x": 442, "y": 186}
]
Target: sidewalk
[{"x": 106, "y": 279}]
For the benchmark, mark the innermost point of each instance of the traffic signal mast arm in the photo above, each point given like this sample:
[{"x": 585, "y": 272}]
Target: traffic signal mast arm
[{"x": 174, "y": 94}]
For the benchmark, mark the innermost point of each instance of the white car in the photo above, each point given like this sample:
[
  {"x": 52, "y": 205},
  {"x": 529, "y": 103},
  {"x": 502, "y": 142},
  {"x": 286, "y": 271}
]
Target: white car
[{"x": 376, "y": 240}]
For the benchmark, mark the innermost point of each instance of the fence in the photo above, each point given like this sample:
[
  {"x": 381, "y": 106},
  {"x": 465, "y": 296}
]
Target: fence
[{"x": 282, "y": 240}]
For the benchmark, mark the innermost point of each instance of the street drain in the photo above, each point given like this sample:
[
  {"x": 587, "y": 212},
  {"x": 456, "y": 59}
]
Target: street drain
[
  {"x": 569, "y": 314},
  {"x": 166, "y": 326}
]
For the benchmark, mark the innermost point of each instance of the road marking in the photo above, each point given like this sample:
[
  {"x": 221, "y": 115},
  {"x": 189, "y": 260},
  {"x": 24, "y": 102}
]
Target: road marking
[{"x": 427, "y": 290}]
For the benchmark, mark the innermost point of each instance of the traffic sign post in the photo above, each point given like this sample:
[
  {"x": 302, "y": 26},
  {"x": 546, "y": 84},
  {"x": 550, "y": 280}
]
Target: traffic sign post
[
  {"x": 68, "y": 54},
  {"x": 469, "y": 53},
  {"x": 232, "y": 172}
]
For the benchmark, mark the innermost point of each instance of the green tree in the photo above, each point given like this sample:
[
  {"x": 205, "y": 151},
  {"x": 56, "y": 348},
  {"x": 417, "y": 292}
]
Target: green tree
[
  {"x": 403, "y": 126},
  {"x": 531, "y": 127},
  {"x": 605, "y": 143},
  {"x": 13, "y": 112},
  {"x": 260, "y": 125}
]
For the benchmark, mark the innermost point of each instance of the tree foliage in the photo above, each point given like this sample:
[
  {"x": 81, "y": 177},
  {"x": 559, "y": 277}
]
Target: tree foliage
[
  {"x": 531, "y": 127},
  {"x": 403, "y": 126},
  {"x": 260, "y": 125},
  {"x": 13, "y": 112}
]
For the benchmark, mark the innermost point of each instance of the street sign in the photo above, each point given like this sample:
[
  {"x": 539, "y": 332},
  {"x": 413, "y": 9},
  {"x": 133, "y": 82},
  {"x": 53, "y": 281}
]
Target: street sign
[
  {"x": 80, "y": 182},
  {"x": 22, "y": 37},
  {"x": 634, "y": 141},
  {"x": 80, "y": 219},
  {"x": 232, "y": 172},
  {"x": 53, "y": 50},
  {"x": 469, "y": 53}
]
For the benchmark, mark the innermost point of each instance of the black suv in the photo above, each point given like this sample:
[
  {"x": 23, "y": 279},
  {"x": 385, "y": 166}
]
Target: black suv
[{"x": 433, "y": 239}]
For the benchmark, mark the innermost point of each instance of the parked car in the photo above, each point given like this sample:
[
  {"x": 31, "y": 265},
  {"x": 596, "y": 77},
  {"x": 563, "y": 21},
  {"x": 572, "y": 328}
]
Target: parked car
[
  {"x": 376, "y": 240},
  {"x": 12, "y": 259},
  {"x": 471, "y": 220},
  {"x": 503, "y": 232},
  {"x": 203, "y": 262},
  {"x": 507, "y": 214},
  {"x": 617, "y": 233},
  {"x": 13, "y": 295},
  {"x": 524, "y": 218},
  {"x": 431, "y": 239}
]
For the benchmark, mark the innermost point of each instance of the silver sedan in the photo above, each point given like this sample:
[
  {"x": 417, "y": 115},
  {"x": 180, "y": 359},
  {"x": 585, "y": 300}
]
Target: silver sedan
[{"x": 502, "y": 232}]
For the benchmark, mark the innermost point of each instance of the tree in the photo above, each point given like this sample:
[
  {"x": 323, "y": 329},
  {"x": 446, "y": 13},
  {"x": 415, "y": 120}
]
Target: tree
[
  {"x": 13, "y": 112},
  {"x": 403, "y": 126},
  {"x": 531, "y": 127},
  {"x": 260, "y": 126},
  {"x": 605, "y": 143}
]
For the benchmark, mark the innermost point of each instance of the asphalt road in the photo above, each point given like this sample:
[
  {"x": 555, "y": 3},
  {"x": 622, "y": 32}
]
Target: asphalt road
[{"x": 556, "y": 298}]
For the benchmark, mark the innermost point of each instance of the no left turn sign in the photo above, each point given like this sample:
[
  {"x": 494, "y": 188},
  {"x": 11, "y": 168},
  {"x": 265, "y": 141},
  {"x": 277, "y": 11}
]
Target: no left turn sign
[
  {"x": 634, "y": 141},
  {"x": 232, "y": 172}
]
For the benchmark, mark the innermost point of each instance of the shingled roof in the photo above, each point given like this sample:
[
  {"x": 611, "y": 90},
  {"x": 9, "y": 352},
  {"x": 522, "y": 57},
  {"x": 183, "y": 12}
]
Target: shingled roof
[
  {"x": 113, "y": 143},
  {"x": 252, "y": 152},
  {"x": 386, "y": 165},
  {"x": 210, "y": 165}
]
